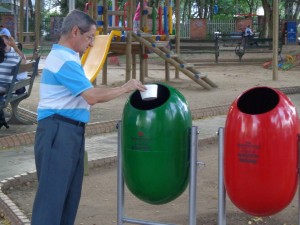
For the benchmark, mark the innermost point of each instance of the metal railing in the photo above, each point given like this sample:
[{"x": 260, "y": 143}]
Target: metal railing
[{"x": 224, "y": 26}]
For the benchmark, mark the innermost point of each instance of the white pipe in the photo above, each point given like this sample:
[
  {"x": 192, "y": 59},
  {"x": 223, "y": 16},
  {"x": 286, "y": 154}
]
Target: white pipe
[
  {"x": 71, "y": 5},
  {"x": 113, "y": 9},
  {"x": 26, "y": 15}
]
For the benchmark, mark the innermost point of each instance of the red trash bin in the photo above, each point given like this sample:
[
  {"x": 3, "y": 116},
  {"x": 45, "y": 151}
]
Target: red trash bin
[{"x": 261, "y": 155}]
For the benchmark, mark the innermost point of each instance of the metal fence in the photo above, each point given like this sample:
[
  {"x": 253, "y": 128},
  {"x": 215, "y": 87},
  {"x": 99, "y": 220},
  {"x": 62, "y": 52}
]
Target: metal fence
[
  {"x": 224, "y": 26},
  {"x": 185, "y": 29}
]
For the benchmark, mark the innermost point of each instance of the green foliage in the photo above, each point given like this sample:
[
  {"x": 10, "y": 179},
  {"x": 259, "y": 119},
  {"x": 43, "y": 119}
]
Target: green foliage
[
  {"x": 222, "y": 16},
  {"x": 63, "y": 5},
  {"x": 55, "y": 13},
  {"x": 3, "y": 220},
  {"x": 226, "y": 8}
]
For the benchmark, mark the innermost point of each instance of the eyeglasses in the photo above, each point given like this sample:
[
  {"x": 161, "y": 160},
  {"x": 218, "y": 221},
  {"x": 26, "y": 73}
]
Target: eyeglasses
[{"x": 91, "y": 38}]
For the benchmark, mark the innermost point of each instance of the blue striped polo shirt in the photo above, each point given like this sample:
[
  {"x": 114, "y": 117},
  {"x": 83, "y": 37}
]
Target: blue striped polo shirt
[
  {"x": 11, "y": 59},
  {"x": 62, "y": 82}
]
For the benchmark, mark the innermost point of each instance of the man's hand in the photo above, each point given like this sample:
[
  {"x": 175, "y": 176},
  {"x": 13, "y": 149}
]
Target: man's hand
[
  {"x": 98, "y": 95},
  {"x": 133, "y": 85}
]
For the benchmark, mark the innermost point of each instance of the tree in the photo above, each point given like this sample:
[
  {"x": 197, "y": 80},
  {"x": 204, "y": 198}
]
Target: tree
[
  {"x": 268, "y": 19},
  {"x": 15, "y": 19},
  {"x": 63, "y": 5},
  {"x": 291, "y": 9},
  {"x": 252, "y": 6}
]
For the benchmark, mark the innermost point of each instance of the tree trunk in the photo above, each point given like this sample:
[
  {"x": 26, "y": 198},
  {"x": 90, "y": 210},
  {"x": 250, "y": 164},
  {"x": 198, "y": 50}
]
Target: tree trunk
[
  {"x": 16, "y": 22},
  {"x": 297, "y": 10},
  {"x": 185, "y": 9},
  {"x": 268, "y": 23},
  {"x": 31, "y": 8}
]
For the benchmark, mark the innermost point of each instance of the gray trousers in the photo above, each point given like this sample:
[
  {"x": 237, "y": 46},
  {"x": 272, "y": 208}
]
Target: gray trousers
[{"x": 59, "y": 158}]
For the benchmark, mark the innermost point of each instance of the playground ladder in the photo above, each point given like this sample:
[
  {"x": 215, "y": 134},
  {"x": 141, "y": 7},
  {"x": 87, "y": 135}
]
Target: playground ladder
[{"x": 174, "y": 59}]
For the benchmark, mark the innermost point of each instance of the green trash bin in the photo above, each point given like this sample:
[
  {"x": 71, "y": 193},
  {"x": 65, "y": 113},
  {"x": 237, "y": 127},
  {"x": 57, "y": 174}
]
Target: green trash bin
[{"x": 155, "y": 145}]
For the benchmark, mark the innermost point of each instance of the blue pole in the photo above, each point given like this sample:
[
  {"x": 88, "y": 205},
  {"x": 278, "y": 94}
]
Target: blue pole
[{"x": 166, "y": 19}]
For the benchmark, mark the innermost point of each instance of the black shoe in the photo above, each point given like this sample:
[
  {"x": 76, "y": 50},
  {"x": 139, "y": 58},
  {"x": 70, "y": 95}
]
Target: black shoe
[
  {"x": 20, "y": 91},
  {"x": 2, "y": 120}
]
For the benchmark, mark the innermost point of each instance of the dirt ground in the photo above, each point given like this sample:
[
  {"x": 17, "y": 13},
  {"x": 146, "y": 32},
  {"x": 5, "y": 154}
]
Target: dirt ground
[{"x": 99, "y": 197}]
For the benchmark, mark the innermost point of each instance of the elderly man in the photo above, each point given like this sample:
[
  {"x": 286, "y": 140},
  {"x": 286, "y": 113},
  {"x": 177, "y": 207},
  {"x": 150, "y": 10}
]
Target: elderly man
[{"x": 66, "y": 96}]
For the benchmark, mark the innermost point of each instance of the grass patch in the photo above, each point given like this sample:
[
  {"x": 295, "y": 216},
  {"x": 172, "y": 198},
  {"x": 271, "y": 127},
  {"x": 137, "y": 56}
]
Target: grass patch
[{"x": 3, "y": 220}]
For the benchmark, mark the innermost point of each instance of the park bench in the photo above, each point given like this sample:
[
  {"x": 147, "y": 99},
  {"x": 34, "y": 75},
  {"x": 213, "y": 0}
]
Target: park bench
[
  {"x": 229, "y": 41},
  {"x": 10, "y": 100},
  {"x": 256, "y": 45},
  {"x": 195, "y": 46}
]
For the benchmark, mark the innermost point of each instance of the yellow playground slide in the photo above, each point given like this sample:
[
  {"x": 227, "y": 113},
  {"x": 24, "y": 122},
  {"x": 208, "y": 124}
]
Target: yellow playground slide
[{"x": 94, "y": 58}]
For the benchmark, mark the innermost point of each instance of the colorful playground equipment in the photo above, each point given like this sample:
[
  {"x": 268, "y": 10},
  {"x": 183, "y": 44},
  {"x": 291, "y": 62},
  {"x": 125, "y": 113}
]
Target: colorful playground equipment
[
  {"x": 157, "y": 151},
  {"x": 140, "y": 43},
  {"x": 290, "y": 62},
  {"x": 286, "y": 63},
  {"x": 94, "y": 58},
  {"x": 165, "y": 17},
  {"x": 258, "y": 153}
]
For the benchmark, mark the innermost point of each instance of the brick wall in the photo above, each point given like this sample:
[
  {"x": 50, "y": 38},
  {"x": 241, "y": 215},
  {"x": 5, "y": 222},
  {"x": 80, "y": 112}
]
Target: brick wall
[
  {"x": 198, "y": 28},
  {"x": 242, "y": 23}
]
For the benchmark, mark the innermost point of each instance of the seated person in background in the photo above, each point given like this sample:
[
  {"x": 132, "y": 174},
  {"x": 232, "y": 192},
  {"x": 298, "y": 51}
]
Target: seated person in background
[
  {"x": 249, "y": 34},
  {"x": 248, "y": 31},
  {"x": 9, "y": 57}
]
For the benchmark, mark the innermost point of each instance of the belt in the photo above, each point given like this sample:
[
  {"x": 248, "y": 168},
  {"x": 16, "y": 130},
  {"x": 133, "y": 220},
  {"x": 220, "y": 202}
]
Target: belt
[{"x": 68, "y": 120}]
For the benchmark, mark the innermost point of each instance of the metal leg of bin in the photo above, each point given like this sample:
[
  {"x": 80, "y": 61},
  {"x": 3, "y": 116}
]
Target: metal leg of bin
[
  {"x": 143, "y": 222},
  {"x": 120, "y": 179},
  {"x": 193, "y": 176},
  {"x": 222, "y": 191},
  {"x": 192, "y": 190}
]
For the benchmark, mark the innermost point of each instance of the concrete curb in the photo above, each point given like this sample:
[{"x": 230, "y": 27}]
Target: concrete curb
[
  {"x": 7, "y": 206},
  {"x": 17, "y": 217}
]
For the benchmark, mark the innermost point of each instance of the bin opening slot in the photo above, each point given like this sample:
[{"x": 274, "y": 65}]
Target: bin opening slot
[
  {"x": 258, "y": 100},
  {"x": 163, "y": 95}
]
